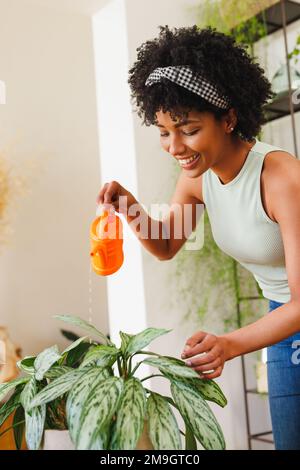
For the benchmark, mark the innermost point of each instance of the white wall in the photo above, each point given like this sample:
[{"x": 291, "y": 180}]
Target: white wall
[{"x": 50, "y": 119}]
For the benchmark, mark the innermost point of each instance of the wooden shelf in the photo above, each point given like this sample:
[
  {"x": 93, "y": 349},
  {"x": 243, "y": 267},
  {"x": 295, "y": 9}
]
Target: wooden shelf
[
  {"x": 280, "y": 107},
  {"x": 263, "y": 437}
]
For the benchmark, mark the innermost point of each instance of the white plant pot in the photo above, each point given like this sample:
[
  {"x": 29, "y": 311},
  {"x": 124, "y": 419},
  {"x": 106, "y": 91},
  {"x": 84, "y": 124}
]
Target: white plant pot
[
  {"x": 57, "y": 440},
  {"x": 60, "y": 440}
]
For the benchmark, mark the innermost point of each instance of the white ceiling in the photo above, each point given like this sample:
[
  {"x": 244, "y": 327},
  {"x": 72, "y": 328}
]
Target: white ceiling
[{"x": 86, "y": 7}]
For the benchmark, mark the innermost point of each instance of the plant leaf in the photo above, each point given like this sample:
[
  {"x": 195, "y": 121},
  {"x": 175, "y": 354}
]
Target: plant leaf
[
  {"x": 57, "y": 388},
  {"x": 196, "y": 412},
  {"x": 26, "y": 364},
  {"x": 8, "y": 386},
  {"x": 74, "y": 345},
  {"x": 36, "y": 419},
  {"x": 45, "y": 360},
  {"x": 210, "y": 390},
  {"x": 69, "y": 335},
  {"x": 190, "y": 441},
  {"x": 104, "y": 356},
  {"x": 142, "y": 339},
  {"x": 130, "y": 416},
  {"x": 9, "y": 407},
  {"x": 166, "y": 365},
  {"x": 99, "y": 409},
  {"x": 82, "y": 324},
  {"x": 19, "y": 417},
  {"x": 56, "y": 371},
  {"x": 74, "y": 357},
  {"x": 125, "y": 338},
  {"x": 78, "y": 395},
  {"x": 163, "y": 428},
  {"x": 207, "y": 388}
]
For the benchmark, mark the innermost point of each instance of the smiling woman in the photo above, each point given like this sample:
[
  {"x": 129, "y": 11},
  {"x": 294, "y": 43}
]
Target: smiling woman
[{"x": 206, "y": 96}]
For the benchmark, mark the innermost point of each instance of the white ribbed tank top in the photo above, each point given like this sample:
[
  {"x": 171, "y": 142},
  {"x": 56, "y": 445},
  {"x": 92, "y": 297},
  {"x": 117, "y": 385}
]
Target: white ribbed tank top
[{"x": 242, "y": 229}]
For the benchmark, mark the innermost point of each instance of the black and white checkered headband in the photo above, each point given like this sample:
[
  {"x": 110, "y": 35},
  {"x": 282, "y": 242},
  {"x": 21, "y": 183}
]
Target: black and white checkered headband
[{"x": 184, "y": 76}]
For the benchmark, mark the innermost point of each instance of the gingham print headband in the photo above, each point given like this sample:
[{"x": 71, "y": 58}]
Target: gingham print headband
[{"x": 184, "y": 76}]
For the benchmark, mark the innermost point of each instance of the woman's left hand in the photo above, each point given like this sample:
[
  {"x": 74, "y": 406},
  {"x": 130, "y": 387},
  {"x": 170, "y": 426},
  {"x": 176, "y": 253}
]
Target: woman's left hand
[{"x": 214, "y": 352}]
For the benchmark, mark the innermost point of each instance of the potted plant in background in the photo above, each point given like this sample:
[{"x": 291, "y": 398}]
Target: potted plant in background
[{"x": 101, "y": 404}]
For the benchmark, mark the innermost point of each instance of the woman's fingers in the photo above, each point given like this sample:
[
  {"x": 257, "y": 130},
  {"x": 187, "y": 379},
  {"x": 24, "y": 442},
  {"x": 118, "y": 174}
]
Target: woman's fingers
[
  {"x": 205, "y": 343},
  {"x": 214, "y": 374},
  {"x": 210, "y": 355},
  {"x": 108, "y": 196},
  {"x": 213, "y": 350},
  {"x": 193, "y": 340},
  {"x": 208, "y": 366}
]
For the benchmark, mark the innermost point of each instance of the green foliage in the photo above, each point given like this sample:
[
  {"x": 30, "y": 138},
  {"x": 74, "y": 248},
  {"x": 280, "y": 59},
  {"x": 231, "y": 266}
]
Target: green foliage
[
  {"x": 232, "y": 17},
  {"x": 296, "y": 51},
  {"x": 105, "y": 407}
]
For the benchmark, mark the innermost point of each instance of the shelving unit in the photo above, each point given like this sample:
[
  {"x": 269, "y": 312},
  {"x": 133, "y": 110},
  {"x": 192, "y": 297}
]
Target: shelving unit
[
  {"x": 276, "y": 17},
  {"x": 280, "y": 107}
]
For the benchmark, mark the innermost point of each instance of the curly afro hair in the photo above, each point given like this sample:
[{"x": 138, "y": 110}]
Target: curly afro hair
[{"x": 219, "y": 58}]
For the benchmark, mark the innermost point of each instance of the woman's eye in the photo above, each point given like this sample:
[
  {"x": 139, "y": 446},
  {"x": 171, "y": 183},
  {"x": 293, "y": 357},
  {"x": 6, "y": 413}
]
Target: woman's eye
[
  {"x": 184, "y": 133},
  {"x": 190, "y": 133}
]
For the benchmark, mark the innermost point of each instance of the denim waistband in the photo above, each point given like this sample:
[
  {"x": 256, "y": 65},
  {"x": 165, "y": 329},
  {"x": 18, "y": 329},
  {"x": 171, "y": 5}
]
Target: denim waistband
[{"x": 274, "y": 304}]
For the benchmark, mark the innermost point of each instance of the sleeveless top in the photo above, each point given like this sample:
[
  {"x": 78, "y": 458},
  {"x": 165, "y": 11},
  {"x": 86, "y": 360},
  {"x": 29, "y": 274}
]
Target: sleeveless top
[{"x": 242, "y": 229}]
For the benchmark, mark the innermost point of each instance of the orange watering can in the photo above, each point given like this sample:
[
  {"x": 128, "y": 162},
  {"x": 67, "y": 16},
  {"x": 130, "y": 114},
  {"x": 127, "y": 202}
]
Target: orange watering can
[{"x": 106, "y": 237}]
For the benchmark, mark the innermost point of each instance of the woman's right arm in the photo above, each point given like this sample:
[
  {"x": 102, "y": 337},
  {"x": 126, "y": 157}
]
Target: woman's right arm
[{"x": 162, "y": 238}]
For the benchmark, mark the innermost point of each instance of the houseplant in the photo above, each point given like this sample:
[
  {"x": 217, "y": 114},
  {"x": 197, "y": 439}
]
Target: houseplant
[{"x": 102, "y": 403}]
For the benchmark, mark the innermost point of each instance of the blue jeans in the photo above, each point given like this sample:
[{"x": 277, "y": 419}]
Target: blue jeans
[{"x": 283, "y": 366}]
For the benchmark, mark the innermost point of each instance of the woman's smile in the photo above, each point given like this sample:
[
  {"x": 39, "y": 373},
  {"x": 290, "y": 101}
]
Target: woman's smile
[{"x": 190, "y": 162}]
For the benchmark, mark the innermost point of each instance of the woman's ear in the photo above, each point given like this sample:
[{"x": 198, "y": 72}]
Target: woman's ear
[{"x": 230, "y": 121}]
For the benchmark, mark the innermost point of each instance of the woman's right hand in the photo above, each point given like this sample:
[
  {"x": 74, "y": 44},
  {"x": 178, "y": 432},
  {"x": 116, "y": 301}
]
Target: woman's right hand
[{"x": 110, "y": 194}]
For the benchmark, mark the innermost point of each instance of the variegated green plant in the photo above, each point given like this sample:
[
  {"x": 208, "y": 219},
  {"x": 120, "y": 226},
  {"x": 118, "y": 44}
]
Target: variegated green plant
[{"x": 103, "y": 404}]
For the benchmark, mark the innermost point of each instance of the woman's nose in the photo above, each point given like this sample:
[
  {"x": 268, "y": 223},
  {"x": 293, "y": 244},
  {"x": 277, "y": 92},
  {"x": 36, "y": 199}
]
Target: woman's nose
[{"x": 176, "y": 146}]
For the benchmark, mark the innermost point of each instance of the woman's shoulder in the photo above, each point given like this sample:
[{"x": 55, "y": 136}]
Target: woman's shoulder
[{"x": 280, "y": 167}]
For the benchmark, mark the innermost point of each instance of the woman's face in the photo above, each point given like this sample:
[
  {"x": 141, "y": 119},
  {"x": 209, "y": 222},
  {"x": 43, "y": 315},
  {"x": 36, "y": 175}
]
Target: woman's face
[{"x": 197, "y": 142}]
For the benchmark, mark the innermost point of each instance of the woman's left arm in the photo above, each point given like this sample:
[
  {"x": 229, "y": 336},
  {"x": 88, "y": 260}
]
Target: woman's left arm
[{"x": 285, "y": 320}]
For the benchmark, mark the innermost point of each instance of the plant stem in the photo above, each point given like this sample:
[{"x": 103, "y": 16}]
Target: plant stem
[
  {"x": 154, "y": 375},
  {"x": 130, "y": 366},
  {"x": 147, "y": 352},
  {"x": 125, "y": 368},
  {"x": 136, "y": 367}
]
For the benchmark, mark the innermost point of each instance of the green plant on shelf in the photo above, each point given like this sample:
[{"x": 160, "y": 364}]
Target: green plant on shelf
[
  {"x": 294, "y": 54},
  {"x": 102, "y": 403},
  {"x": 232, "y": 17}
]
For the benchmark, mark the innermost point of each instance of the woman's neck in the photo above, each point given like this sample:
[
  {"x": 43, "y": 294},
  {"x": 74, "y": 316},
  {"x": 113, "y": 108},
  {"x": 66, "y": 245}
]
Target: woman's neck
[{"x": 232, "y": 160}]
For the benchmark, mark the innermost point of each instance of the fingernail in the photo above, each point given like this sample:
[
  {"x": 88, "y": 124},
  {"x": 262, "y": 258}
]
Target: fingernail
[
  {"x": 188, "y": 363},
  {"x": 187, "y": 347}
]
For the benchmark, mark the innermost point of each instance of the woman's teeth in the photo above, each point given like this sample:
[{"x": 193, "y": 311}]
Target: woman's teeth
[{"x": 186, "y": 161}]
